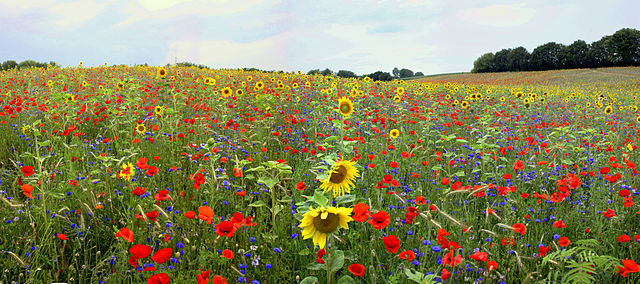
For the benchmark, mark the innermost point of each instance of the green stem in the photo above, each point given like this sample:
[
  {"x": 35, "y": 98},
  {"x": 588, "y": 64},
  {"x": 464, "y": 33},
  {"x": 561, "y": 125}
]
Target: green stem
[{"x": 328, "y": 262}]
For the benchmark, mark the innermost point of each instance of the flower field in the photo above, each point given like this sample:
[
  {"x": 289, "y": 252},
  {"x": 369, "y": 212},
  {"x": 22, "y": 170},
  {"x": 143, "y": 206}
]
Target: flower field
[{"x": 184, "y": 175}]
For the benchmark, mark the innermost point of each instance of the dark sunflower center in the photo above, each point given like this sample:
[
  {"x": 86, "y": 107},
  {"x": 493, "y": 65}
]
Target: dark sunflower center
[
  {"x": 339, "y": 175},
  {"x": 327, "y": 225},
  {"x": 344, "y": 108}
]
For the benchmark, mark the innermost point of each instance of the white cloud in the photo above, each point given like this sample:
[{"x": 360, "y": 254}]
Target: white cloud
[
  {"x": 25, "y": 5},
  {"x": 164, "y": 9},
  {"x": 269, "y": 53},
  {"x": 510, "y": 15},
  {"x": 75, "y": 13}
]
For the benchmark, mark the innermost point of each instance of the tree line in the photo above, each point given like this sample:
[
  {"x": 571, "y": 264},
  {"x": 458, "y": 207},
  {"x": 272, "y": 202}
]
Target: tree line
[
  {"x": 11, "y": 64},
  {"x": 376, "y": 76},
  {"x": 619, "y": 49}
]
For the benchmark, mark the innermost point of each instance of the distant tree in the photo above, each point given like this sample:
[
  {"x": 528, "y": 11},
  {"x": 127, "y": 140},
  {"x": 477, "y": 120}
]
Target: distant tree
[
  {"x": 598, "y": 55},
  {"x": 418, "y": 74},
  {"x": 518, "y": 59},
  {"x": 326, "y": 72},
  {"x": 546, "y": 57},
  {"x": 395, "y": 72},
  {"x": 9, "y": 64},
  {"x": 346, "y": 74},
  {"x": 624, "y": 46},
  {"x": 574, "y": 55},
  {"x": 313, "y": 72},
  {"x": 484, "y": 63},
  {"x": 404, "y": 73},
  {"x": 380, "y": 76},
  {"x": 500, "y": 60}
]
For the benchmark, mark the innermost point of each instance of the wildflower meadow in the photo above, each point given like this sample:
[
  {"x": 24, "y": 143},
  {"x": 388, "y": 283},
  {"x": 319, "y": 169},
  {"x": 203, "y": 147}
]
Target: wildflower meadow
[{"x": 119, "y": 174}]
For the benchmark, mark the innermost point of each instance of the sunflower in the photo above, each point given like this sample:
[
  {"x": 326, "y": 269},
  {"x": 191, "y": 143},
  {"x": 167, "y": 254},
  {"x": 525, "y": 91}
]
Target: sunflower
[
  {"x": 226, "y": 92},
  {"x": 249, "y": 78},
  {"x": 608, "y": 110},
  {"x": 158, "y": 110},
  {"x": 340, "y": 178},
  {"x": 345, "y": 106},
  {"x": 239, "y": 92},
  {"x": 638, "y": 119},
  {"x": 464, "y": 104},
  {"x": 317, "y": 223},
  {"x": 397, "y": 99},
  {"x": 259, "y": 85},
  {"x": 49, "y": 83},
  {"x": 502, "y": 99},
  {"x": 329, "y": 91},
  {"x": 295, "y": 85},
  {"x": 27, "y": 130},
  {"x": 394, "y": 133},
  {"x": 161, "y": 72},
  {"x": 140, "y": 128},
  {"x": 120, "y": 85}
]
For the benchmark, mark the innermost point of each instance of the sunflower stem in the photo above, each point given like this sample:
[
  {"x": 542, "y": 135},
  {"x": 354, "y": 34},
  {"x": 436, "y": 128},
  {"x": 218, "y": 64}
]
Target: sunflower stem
[{"x": 328, "y": 262}]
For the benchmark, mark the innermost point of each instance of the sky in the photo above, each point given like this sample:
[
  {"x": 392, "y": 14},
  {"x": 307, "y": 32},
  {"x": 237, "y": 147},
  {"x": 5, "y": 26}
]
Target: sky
[{"x": 296, "y": 35}]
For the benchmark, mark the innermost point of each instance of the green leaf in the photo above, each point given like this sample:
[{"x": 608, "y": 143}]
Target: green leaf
[
  {"x": 305, "y": 251},
  {"x": 268, "y": 181},
  {"x": 277, "y": 208},
  {"x": 460, "y": 173},
  {"x": 286, "y": 200},
  {"x": 336, "y": 260},
  {"x": 346, "y": 279},
  {"x": 316, "y": 267},
  {"x": 258, "y": 203},
  {"x": 330, "y": 138},
  {"x": 346, "y": 199},
  {"x": 320, "y": 199}
]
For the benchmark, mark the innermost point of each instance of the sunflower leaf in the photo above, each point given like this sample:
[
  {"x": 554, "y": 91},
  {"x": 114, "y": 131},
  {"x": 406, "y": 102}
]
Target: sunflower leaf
[
  {"x": 346, "y": 199},
  {"x": 336, "y": 260},
  {"x": 346, "y": 279},
  {"x": 320, "y": 199}
]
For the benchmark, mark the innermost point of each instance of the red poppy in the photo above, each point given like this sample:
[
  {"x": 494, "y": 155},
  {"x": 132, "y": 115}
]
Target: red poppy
[
  {"x": 125, "y": 234},
  {"x": 360, "y": 212},
  {"x": 519, "y": 228},
  {"x": 162, "y": 195},
  {"x": 380, "y": 220},
  {"x": 138, "y": 191},
  {"x": 321, "y": 253},
  {"x": 450, "y": 260},
  {"x": 609, "y": 213},
  {"x": 140, "y": 251},
  {"x": 203, "y": 277},
  {"x": 153, "y": 215},
  {"x": 62, "y": 237},
  {"x": 142, "y": 164},
  {"x": 393, "y": 164},
  {"x": 506, "y": 176},
  {"x": 444, "y": 181},
  {"x": 133, "y": 260},
  {"x": 205, "y": 213},
  {"x": 492, "y": 265},
  {"x": 227, "y": 253},
  {"x": 624, "y": 238},
  {"x": 542, "y": 250},
  {"x": 391, "y": 243},
  {"x": 445, "y": 274},
  {"x": 27, "y": 171},
  {"x": 300, "y": 186},
  {"x": 162, "y": 255},
  {"x": 218, "y": 280},
  {"x": 420, "y": 200},
  {"x": 26, "y": 190},
  {"x": 564, "y": 241},
  {"x": 604, "y": 170},
  {"x": 160, "y": 278},
  {"x": 356, "y": 269},
  {"x": 479, "y": 256},
  {"x": 518, "y": 165},
  {"x": 559, "y": 224},
  {"x": 629, "y": 266},
  {"x": 226, "y": 229},
  {"x": 151, "y": 171},
  {"x": 190, "y": 214},
  {"x": 408, "y": 255}
]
